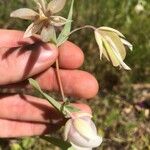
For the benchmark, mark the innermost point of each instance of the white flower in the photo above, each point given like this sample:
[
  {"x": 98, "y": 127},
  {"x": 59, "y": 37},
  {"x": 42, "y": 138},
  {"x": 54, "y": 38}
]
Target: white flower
[
  {"x": 111, "y": 45},
  {"x": 139, "y": 8},
  {"x": 81, "y": 132},
  {"x": 44, "y": 20}
]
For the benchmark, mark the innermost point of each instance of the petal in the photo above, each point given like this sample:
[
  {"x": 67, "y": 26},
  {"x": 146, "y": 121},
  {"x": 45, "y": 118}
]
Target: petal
[
  {"x": 56, "y": 5},
  {"x": 109, "y": 53},
  {"x": 117, "y": 54},
  {"x": 80, "y": 141},
  {"x": 58, "y": 21},
  {"x": 41, "y": 3},
  {"x": 32, "y": 29},
  {"x": 125, "y": 42},
  {"x": 48, "y": 34},
  {"x": 67, "y": 129},
  {"x": 84, "y": 129},
  {"x": 24, "y": 13},
  {"x": 112, "y": 30},
  {"x": 117, "y": 41},
  {"x": 99, "y": 42},
  {"x": 82, "y": 114}
]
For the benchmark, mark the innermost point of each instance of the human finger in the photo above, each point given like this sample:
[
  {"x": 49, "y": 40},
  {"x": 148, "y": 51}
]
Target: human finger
[
  {"x": 68, "y": 52},
  {"x": 76, "y": 83},
  {"x": 23, "y": 61},
  {"x": 27, "y": 108}
]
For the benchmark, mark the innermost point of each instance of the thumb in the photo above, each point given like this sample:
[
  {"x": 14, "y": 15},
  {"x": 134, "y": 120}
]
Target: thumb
[
  {"x": 20, "y": 62},
  {"x": 14, "y": 38}
]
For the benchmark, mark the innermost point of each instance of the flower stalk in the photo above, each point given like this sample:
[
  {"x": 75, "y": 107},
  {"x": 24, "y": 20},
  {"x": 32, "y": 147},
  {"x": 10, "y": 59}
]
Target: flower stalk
[{"x": 60, "y": 81}]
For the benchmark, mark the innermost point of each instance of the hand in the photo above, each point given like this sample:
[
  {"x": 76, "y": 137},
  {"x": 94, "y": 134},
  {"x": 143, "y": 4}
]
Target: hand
[{"x": 24, "y": 115}]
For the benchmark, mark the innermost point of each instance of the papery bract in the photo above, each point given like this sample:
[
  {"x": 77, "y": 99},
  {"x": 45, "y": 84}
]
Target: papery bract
[
  {"x": 81, "y": 132},
  {"x": 43, "y": 19}
]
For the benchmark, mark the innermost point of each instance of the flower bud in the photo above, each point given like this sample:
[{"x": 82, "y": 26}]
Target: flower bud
[{"x": 81, "y": 132}]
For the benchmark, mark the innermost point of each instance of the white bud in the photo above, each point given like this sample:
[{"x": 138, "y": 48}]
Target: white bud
[{"x": 81, "y": 133}]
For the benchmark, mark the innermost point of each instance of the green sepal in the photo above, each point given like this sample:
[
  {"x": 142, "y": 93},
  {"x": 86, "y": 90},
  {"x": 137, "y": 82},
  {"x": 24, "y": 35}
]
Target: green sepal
[{"x": 71, "y": 108}]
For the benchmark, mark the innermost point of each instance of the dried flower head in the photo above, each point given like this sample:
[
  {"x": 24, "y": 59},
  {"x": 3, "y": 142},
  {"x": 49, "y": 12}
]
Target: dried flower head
[
  {"x": 44, "y": 20},
  {"x": 111, "y": 44}
]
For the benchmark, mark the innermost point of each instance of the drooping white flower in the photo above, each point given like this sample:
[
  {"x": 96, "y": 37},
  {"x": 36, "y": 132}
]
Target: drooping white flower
[
  {"x": 81, "y": 132},
  {"x": 44, "y": 20},
  {"x": 139, "y": 8},
  {"x": 112, "y": 44}
]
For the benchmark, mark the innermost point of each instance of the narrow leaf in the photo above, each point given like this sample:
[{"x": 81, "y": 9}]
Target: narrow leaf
[
  {"x": 52, "y": 101},
  {"x": 71, "y": 108},
  {"x": 63, "y": 36},
  {"x": 35, "y": 84},
  {"x": 58, "y": 142}
]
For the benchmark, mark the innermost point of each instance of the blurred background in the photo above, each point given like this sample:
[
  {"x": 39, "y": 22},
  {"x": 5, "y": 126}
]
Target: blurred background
[{"x": 122, "y": 107}]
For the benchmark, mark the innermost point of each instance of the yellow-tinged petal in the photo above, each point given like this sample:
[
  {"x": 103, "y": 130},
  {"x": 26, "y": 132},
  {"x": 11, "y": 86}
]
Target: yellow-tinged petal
[
  {"x": 117, "y": 54},
  {"x": 125, "y": 42},
  {"x": 83, "y": 128},
  {"x": 116, "y": 40},
  {"x": 109, "y": 53},
  {"x": 111, "y": 30},
  {"x": 24, "y": 13},
  {"x": 56, "y": 5},
  {"x": 99, "y": 42}
]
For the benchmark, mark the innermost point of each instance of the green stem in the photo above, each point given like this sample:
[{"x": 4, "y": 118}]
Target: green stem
[
  {"x": 84, "y": 27},
  {"x": 60, "y": 81}
]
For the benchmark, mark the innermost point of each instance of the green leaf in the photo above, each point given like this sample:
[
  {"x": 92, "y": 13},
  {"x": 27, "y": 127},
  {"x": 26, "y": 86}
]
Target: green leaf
[
  {"x": 27, "y": 143},
  {"x": 71, "y": 108},
  {"x": 58, "y": 142},
  {"x": 15, "y": 146},
  {"x": 63, "y": 36},
  {"x": 52, "y": 101},
  {"x": 35, "y": 84}
]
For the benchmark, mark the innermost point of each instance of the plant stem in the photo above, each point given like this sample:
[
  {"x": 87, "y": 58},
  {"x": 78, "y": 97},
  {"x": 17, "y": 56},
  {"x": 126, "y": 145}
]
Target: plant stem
[
  {"x": 80, "y": 28},
  {"x": 57, "y": 63},
  {"x": 59, "y": 81}
]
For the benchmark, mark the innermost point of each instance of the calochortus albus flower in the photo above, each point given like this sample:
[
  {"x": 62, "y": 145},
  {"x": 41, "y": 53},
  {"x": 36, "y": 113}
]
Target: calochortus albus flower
[
  {"x": 112, "y": 45},
  {"x": 81, "y": 132},
  {"x": 44, "y": 20}
]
